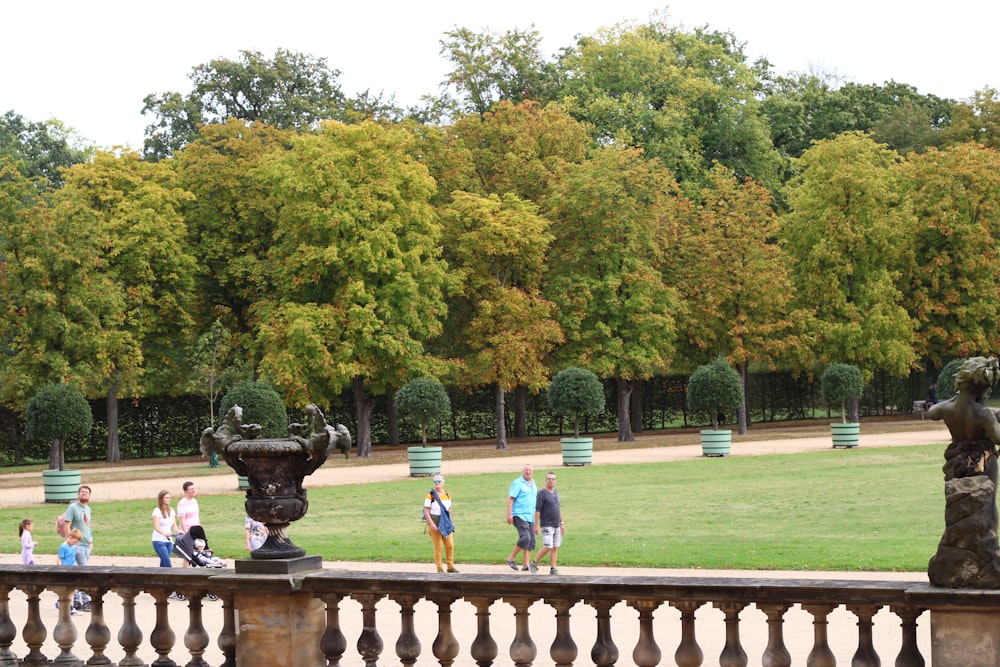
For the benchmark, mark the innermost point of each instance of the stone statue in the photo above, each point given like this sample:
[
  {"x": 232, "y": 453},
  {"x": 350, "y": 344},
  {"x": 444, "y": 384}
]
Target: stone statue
[
  {"x": 968, "y": 555},
  {"x": 316, "y": 436}
]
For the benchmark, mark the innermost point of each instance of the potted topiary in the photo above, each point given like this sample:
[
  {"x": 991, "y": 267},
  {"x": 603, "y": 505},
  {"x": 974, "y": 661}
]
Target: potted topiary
[
  {"x": 575, "y": 392},
  {"x": 841, "y": 383},
  {"x": 55, "y": 413},
  {"x": 426, "y": 402},
  {"x": 262, "y": 405},
  {"x": 714, "y": 389}
]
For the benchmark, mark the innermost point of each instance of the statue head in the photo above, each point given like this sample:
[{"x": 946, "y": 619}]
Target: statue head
[{"x": 977, "y": 374}]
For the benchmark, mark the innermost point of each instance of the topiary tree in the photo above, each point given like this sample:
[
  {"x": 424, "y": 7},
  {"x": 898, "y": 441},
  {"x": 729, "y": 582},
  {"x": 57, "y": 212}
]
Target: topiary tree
[
  {"x": 55, "y": 413},
  {"x": 841, "y": 383},
  {"x": 261, "y": 405},
  {"x": 426, "y": 401},
  {"x": 575, "y": 392},
  {"x": 946, "y": 379},
  {"x": 712, "y": 389}
]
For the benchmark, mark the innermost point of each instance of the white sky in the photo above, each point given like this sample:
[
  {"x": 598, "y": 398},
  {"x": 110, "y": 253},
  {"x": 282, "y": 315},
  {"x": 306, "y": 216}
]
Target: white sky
[{"x": 90, "y": 64}]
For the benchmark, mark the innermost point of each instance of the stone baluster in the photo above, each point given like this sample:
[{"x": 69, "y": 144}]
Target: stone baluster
[
  {"x": 820, "y": 655},
  {"x": 646, "y": 652},
  {"x": 484, "y": 649},
  {"x": 34, "y": 632},
  {"x": 522, "y": 648},
  {"x": 8, "y": 631},
  {"x": 162, "y": 637},
  {"x": 563, "y": 650},
  {"x": 688, "y": 653},
  {"x": 65, "y": 631},
  {"x": 865, "y": 656},
  {"x": 776, "y": 654},
  {"x": 408, "y": 644},
  {"x": 604, "y": 652},
  {"x": 196, "y": 637},
  {"x": 732, "y": 654},
  {"x": 333, "y": 643},
  {"x": 98, "y": 634},
  {"x": 909, "y": 653},
  {"x": 369, "y": 643},
  {"x": 129, "y": 635},
  {"x": 445, "y": 647},
  {"x": 227, "y": 636}
]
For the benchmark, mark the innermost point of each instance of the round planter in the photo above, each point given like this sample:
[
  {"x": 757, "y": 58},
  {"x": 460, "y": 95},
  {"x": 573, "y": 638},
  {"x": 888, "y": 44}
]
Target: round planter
[
  {"x": 845, "y": 435},
  {"x": 716, "y": 442},
  {"x": 243, "y": 482},
  {"x": 577, "y": 451},
  {"x": 424, "y": 461},
  {"x": 61, "y": 486}
]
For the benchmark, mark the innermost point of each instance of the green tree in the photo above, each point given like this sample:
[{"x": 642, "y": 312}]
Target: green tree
[
  {"x": 261, "y": 404},
  {"x": 847, "y": 234},
  {"x": 842, "y": 383},
  {"x": 498, "y": 247},
  {"x": 55, "y": 413},
  {"x": 357, "y": 278},
  {"x": 213, "y": 365},
  {"x": 575, "y": 392},
  {"x": 735, "y": 279},
  {"x": 714, "y": 388},
  {"x": 614, "y": 218},
  {"x": 425, "y": 400},
  {"x": 977, "y": 120},
  {"x": 950, "y": 283},
  {"x": 291, "y": 90},
  {"x": 43, "y": 148}
]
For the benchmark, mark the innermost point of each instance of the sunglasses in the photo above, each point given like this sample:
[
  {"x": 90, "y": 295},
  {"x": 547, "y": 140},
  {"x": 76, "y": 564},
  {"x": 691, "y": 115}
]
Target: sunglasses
[{"x": 439, "y": 481}]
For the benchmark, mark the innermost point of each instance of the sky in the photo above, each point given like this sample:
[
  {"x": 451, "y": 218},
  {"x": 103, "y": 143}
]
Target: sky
[{"x": 90, "y": 64}]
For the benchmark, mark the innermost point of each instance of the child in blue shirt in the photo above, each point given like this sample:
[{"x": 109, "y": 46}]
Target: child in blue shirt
[{"x": 67, "y": 555}]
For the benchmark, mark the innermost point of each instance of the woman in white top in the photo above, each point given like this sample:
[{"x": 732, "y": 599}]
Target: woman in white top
[
  {"x": 432, "y": 515},
  {"x": 164, "y": 528}
]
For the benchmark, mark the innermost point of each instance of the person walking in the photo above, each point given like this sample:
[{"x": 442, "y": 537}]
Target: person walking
[
  {"x": 67, "y": 555},
  {"x": 164, "y": 528},
  {"x": 78, "y": 518},
  {"x": 521, "y": 514},
  {"x": 188, "y": 513},
  {"x": 27, "y": 544},
  {"x": 438, "y": 503},
  {"x": 549, "y": 522}
]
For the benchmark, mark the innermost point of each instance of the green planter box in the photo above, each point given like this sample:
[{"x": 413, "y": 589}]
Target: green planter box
[
  {"x": 577, "y": 451},
  {"x": 424, "y": 461},
  {"x": 61, "y": 486},
  {"x": 716, "y": 442},
  {"x": 845, "y": 435},
  {"x": 243, "y": 482}
]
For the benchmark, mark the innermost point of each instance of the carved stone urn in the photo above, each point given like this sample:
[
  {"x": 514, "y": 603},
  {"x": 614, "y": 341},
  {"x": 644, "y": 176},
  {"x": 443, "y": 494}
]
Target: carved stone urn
[{"x": 275, "y": 468}]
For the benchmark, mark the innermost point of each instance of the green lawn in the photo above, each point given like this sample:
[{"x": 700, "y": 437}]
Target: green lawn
[{"x": 862, "y": 509}]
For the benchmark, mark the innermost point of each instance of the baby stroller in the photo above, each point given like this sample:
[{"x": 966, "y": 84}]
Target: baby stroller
[{"x": 192, "y": 546}]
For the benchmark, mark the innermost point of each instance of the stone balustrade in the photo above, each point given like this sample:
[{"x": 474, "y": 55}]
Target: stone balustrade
[{"x": 504, "y": 619}]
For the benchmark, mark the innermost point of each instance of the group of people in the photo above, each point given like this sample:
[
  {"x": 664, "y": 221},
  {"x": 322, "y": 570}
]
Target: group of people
[{"x": 531, "y": 511}]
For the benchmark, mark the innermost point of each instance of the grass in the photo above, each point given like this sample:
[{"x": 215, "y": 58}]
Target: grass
[{"x": 861, "y": 509}]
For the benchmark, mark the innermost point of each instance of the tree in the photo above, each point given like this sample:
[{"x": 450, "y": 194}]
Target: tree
[
  {"x": 424, "y": 399},
  {"x": 712, "y": 389},
  {"x": 213, "y": 364},
  {"x": 950, "y": 283},
  {"x": 614, "y": 217},
  {"x": 357, "y": 284},
  {"x": 261, "y": 404},
  {"x": 848, "y": 234},
  {"x": 498, "y": 247},
  {"x": 575, "y": 392},
  {"x": 292, "y": 90},
  {"x": 55, "y": 413},
  {"x": 977, "y": 120},
  {"x": 842, "y": 383},
  {"x": 43, "y": 148},
  {"x": 735, "y": 279}
]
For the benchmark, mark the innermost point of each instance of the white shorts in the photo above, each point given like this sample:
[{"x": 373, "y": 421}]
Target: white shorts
[{"x": 551, "y": 537}]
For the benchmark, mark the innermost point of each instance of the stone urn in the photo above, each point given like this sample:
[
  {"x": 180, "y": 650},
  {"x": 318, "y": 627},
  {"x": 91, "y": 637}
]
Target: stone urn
[{"x": 275, "y": 468}]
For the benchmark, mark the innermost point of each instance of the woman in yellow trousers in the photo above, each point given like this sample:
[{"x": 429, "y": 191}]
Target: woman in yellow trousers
[{"x": 432, "y": 515}]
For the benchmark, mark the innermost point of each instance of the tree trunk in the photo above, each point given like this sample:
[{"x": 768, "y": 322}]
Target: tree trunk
[
  {"x": 57, "y": 457},
  {"x": 362, "y": 413},
  {"x": 393, "y": 418},
  {"x": 741, "y": 414},
  {"x": 521, "y": 412},
  {"x": 501, "y": 410},
  {"x": 635, "y": 407},
  {"x": 114, "y": 450},
  {"x": 854, "y": 410},
  {"x": 624, "y": 422}
]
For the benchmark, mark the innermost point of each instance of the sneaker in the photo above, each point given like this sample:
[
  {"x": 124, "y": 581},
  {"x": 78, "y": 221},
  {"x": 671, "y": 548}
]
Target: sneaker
[
  {"x": 83, "y": 607},
  {"x": 452, "y": 570},
  {"x": 553, "y": 570},
  {"x": 511, "y": 564},
  {"x": 533, "y": 567},
  {"x": 73, "y": 612}
]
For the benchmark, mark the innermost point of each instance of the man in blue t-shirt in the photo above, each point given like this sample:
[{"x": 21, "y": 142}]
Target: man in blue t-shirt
[{"x": 521, "y": 515}]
